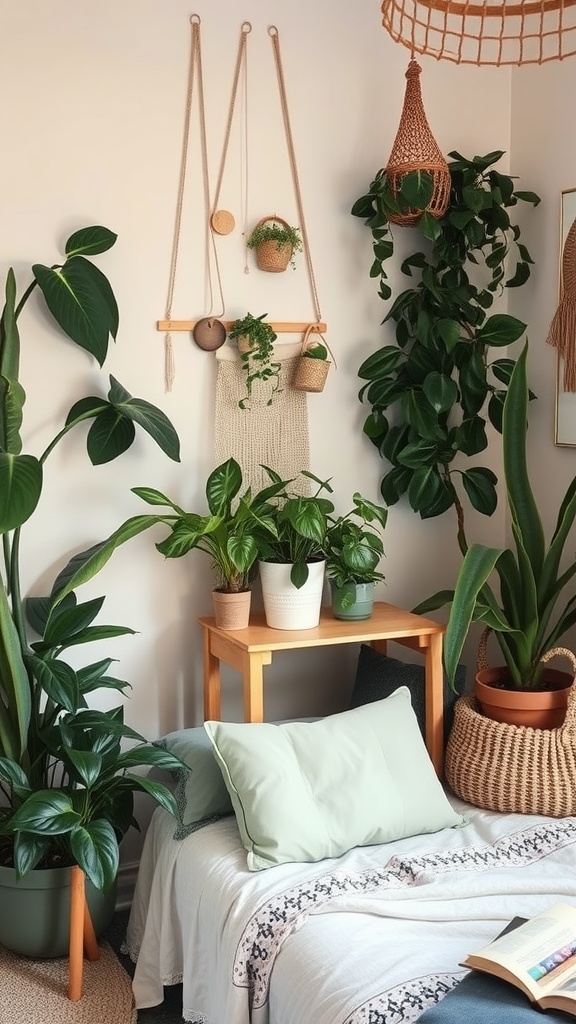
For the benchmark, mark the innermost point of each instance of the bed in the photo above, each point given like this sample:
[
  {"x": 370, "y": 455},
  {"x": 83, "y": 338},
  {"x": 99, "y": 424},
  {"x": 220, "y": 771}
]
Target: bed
[{"x": 373, "y": 935}]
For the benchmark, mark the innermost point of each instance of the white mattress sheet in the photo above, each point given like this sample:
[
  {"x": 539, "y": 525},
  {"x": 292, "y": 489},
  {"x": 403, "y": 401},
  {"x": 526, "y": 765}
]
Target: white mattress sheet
[{"x": 372, "y": 937}]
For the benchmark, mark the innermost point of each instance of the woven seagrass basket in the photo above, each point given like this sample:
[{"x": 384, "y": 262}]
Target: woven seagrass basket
[
  {"x": 270, "y": 255},
  {"x": 310, "y": 374},
  {"x": 513, "y": 768}
]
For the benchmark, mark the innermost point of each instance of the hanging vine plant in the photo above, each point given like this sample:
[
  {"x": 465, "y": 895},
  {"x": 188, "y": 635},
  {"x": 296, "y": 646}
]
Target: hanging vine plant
[{"x": 432, "y": 392}]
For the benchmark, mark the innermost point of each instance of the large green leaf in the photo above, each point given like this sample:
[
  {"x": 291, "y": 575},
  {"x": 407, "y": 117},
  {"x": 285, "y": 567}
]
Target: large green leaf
[
  {"x": 95, "y": 847},
  {"x": 48, "y": 812},
  {"x": 381, "y": 363},
  {"x": 15, "y": 697},
  {"x": 90, "y": 241},
  {"x": 417, "y": 189},
  {"x": 501, "y": 329},
  {"x": 147, "y": 416},
  {"x": 12, "y": 399},
  {"x": 9, "y": 337},
  {"x": 110, "y": 435},
  {"x": 441, "y": 391},
  {"x": 480, "y": 486},
  {"x": 20, "y": 489},
  {"x": 222, "y": 486},
  {"x": 476, "y": 568},
  {"x": 77, "y": 304}
]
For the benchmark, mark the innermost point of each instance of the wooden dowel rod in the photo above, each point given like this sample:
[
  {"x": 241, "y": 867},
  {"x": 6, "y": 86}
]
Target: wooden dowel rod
[
  {"x": 91, "y": 946},
  {"x": 76, "y": 951},
  {"x": 281, "y": 327}
]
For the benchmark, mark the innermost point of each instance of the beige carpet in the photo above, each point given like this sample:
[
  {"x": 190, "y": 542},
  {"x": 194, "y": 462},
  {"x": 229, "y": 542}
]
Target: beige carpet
[{"x": 35, "y": 991}]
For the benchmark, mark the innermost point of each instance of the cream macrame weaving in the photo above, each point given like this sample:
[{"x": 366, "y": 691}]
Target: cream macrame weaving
[{"x": 275, "y": 435}]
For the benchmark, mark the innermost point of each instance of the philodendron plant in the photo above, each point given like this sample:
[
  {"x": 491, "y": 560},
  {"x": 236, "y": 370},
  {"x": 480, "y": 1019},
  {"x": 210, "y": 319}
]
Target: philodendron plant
[{"x": 66, "y": 781}]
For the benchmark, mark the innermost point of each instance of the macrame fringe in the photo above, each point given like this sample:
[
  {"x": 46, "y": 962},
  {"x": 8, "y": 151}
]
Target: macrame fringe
[
  {"x": 562, "y": 332},
  {"x": 169, "y": 367}
]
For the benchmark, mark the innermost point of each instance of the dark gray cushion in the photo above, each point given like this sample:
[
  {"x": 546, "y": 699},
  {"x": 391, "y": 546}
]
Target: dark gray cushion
[{"x": 377, "y": 676}]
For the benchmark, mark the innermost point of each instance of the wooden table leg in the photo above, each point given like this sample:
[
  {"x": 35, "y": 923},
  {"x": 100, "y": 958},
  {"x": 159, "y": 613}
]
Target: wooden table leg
[
  {"x": 253, "y": 677},
  {"x": 435, "y": 701},
  {"x": 76, "y": 952},
  {"x": 91, "y": 947},
  {"x": 212, "y": 703}
]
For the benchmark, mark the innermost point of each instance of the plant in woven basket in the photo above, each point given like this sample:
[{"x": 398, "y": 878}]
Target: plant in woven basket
[
  {"x": 432, "y": 392},
  {"x": 255, "y": 339},
  {"x": 522, "y": 610},
  {"x": 275, "y": 242}
]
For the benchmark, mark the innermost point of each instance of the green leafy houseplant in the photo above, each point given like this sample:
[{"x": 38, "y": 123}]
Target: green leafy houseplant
[
  {"x": 226, "y": 533},
  {"x": 66, "y": 783},
  {"x": 354, "y": 546},
  {"x": 432, "y": 392},
  {"x": 532, "y": 577},
  {"x": 280, "y": 233},
  {"x": 256, "y": 346},
  {"x": 295, "y": 526}
]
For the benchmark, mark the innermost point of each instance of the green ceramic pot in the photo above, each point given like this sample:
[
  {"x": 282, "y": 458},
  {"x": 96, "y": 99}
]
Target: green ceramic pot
[
  {"x": 353, "y": 601},
  {"x": 34, "y": 920}
]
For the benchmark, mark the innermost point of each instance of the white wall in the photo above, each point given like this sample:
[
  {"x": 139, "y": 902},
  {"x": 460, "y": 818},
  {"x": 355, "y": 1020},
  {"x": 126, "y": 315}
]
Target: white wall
[{"x": 92, "y": 112}]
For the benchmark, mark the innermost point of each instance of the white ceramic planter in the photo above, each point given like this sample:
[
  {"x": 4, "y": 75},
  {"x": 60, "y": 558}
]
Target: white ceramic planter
[{"x": 287, "y": 606}]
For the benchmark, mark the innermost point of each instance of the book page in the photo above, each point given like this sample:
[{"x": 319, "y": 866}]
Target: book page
[{"x": 541, "y": 953}]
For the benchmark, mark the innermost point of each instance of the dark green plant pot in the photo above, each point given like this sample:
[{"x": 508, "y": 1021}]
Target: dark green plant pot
[
  {"x": 34, "y": 919},
  {"x": 360, "y": 607}
]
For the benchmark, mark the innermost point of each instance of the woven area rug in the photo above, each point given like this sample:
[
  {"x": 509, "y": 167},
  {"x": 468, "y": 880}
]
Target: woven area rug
[{"x": 35, "y": 991}]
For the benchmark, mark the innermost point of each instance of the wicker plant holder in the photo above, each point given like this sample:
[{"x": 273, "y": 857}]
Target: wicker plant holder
[
  {"x": 310, "y": 374},
  {"x": 416, "y": 149},
  {"x": 232, "y": 610},
  {"x": 511, "y": 768},
  {"x": 269, "y": 255}
]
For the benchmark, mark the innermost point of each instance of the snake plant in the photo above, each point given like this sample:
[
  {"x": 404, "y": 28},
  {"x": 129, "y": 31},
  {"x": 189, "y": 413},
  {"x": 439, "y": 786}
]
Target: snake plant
[{"x": 528, "y": 607}]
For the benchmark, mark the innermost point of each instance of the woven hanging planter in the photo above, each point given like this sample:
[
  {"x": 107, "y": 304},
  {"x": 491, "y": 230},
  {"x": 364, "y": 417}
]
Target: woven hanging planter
[
  {"x": 416, "y": 149},
  {"x": 271, "y": 255},
  {"x": 495, "y": 32},
  {"x": 311, "y": 373},
  {"x": 513, "y": 768}
]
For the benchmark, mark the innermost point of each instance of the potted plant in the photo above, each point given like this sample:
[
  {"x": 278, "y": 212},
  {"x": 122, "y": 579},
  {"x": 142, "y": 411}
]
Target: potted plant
[
  {"x": 66, "y": 781},
  {"x": 291, "y": 555},
  {"x": 354, "y": 549},
  {"x": 255, "y": 339},
  {"x": 312, "y": 366},
  {"x": 522, "y": 610},
  {"x": 226, "y": 534},
  {"x": 275, "y": 242},
  {"x": 433, "y": 391}
]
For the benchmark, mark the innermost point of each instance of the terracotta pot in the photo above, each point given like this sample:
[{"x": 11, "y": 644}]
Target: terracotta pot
[
  {"x": 540, "y": 709},
  {"x": 232, "y": 611}
]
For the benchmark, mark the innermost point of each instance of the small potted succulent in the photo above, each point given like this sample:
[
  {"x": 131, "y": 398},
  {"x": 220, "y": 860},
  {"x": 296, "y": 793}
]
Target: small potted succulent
[
  {"x": 255, "y": 339},
  {"x": 354, "y": 548},
  {"x": 275, "y": 242}
]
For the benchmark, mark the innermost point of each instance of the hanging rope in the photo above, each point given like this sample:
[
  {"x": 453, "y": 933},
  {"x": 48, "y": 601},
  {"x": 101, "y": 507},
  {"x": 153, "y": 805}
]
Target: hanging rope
[
  {"x": 194, "y": 71},
  {"x": 273, "y": 33}
]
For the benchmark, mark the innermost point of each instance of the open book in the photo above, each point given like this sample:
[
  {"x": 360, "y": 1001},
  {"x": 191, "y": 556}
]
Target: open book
[{"x": 538, "y": 957}]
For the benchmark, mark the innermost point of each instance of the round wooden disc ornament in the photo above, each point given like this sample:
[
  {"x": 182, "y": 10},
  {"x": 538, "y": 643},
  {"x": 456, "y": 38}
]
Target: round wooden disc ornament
[
  {"x": 222, "y": 222},
  {"x": 209, "y": 333}
]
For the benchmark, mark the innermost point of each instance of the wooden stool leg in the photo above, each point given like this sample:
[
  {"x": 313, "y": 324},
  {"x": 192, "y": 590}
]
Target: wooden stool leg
[
  {"x": 90, "y": 941},
  {"x": 76, "y": 952}
]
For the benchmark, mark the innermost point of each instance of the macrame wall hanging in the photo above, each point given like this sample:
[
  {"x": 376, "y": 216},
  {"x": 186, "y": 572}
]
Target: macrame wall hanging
[
  {"x": 493, "y": 32},
  {"x": 416, "y": 149},
  {"x": 562, "y": 333},
  {"x": 275, "y": 434}
]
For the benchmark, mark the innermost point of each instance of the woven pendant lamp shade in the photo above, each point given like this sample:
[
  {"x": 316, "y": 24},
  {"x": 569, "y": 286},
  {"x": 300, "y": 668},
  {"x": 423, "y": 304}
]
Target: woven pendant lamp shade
[
  {"x": 495, "y": 32},
  {"x": 416, "y": 149}
]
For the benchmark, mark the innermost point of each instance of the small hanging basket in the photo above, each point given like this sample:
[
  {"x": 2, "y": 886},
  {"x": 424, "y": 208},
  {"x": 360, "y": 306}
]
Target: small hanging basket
[
  {"x": 270, "y": 255},
  {"x": 416, "y": 149},
  {"x": 310, "y": 374}
]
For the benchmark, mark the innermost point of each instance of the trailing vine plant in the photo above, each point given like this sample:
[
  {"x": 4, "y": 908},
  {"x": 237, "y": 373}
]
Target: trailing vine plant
[{"x": 432, "y": 392}]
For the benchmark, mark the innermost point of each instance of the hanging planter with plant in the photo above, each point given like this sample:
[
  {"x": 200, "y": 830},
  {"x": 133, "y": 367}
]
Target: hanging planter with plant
[
  {"x": 255, "y": 340},
  {"x": 275, "y": 242},
  {"x": 313, "y": 365}
]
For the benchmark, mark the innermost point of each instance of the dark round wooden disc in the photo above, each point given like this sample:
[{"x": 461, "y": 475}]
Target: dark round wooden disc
[{"x": 209, "y": 333}]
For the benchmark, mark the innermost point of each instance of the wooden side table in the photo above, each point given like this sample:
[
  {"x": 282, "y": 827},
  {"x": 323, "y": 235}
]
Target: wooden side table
[{"x": 249, "y": 650}]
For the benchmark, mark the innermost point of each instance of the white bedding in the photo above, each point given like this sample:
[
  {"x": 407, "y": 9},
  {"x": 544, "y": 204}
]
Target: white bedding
[{"x": 373, "y": 937}]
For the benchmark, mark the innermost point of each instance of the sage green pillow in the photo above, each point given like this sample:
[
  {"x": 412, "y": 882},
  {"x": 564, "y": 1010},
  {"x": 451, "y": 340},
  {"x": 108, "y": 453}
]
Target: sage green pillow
[{"x": 306, "y": 791}]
